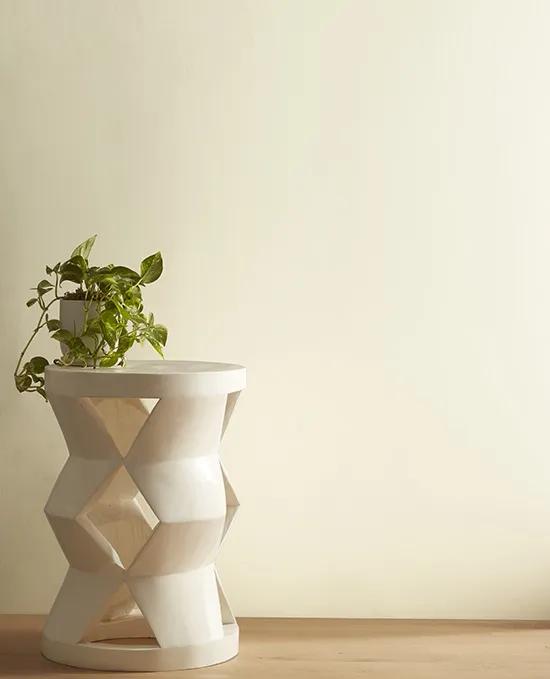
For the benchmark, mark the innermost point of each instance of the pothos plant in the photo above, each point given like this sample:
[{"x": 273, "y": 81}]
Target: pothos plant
[{"x": 113, "y": 316}]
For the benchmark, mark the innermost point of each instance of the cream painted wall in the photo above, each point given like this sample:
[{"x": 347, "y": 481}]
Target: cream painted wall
[{"x": 352, "y": 200}]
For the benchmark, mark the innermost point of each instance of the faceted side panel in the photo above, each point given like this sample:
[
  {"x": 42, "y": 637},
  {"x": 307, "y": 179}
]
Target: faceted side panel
[
  {"x": 182, "y": 608},
  {"x": 80, "y": 597},
  {"x": 187, "y": 489},
  {"x": 77, "y": 482},
  {"x": 180, "y": 427},
  {"x": 117, "y": 513},
  {"x": 179, "y": 547},
  {"x": 83, "y": 428}
]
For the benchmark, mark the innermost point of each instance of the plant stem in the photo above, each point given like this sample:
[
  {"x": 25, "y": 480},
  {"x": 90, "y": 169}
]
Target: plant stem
[{"x": 34, "y": 333}]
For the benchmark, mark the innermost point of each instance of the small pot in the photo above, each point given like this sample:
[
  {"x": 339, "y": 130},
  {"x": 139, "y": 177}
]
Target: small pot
[{"x": 71, "y": 317}]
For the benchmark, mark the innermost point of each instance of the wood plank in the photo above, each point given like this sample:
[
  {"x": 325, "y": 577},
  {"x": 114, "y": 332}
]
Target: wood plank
[{"x": 277, "y": 648}]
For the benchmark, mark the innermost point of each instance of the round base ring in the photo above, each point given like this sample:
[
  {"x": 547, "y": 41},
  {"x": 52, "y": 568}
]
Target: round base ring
[{"x": 143, "y": 658}]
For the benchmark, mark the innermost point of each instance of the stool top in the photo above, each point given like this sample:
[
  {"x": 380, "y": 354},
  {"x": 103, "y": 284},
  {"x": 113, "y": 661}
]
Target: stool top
[{"x": 147, "y": 379}]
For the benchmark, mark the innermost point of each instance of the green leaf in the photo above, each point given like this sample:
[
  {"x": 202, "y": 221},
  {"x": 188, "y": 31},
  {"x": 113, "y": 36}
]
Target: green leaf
[
  {"x": 72, "y": 358},
  {"x": 151, "y": 268},
  {"x": 23, "y": 382},
  {"x": 125, "y": 343},
  {"x": 84, "y": 248},
  {"x": 109, "y": 283},
  {"x": 63, "y": 336},
  {"x": 53, "y": 324},
  {"x": 32, "y": 301},
  {"x": 121, "y": 309},
  {"x": 44, "y": 286},
  {"x": 89, "y": 333},
  {"x": 37, "y": 364},
  {"x": 93, "y": 327},
  {"x": 109, "y": 333},
  {"x": 49, "y": 270},
  {"x": 125, "y": 272},
  {"x": 160, "y": 333},
  {"x": 156, "y": 345},
  {"x": 77, "y": 346},
  {"x": 42, "y": 392},
  {"x": 80, "y": 262},
  {"x": 108, "y": 361},
  {"x": 71, "y": 272},
  {"x": 109, "y": 315},
  {"x": 109, "y": 324}
]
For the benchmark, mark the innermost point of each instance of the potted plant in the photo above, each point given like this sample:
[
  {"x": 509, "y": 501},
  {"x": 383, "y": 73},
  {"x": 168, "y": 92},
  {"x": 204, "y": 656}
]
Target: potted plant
[{"x": 99, "y": 320}]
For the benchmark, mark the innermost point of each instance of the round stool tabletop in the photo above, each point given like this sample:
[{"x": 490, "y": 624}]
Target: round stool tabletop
[{"x": 147, "y": 379}]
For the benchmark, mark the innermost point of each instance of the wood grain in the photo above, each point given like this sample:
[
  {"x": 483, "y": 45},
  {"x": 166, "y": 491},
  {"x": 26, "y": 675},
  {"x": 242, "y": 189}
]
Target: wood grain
[{"x": 276, "y": 648}]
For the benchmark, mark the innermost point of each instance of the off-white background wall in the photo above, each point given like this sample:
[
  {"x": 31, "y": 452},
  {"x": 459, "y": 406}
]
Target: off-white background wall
[{"x": 352, "y": 200}]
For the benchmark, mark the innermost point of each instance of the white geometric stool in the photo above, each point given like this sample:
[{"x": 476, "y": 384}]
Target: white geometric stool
[{"x": 140, "y": 510}]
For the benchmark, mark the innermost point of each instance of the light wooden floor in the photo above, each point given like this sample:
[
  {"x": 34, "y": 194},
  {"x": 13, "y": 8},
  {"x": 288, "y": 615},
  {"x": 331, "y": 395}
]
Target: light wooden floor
[{"x": 331, "y": 649}]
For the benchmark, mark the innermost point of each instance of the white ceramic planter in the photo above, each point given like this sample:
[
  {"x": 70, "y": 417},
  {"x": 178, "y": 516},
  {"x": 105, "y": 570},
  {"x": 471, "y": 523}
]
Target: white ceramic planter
[
  {"x": 71, "y": 318},
  {"x": 140, "y": 509}
]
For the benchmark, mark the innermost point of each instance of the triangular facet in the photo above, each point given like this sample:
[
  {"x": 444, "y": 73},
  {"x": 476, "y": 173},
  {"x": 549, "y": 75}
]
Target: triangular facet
[
  {"x": 123, "y": 418},
  {"x": 227, "y": 613},
  {"x": 229, "y": 407},
  {"x": 232, "y": 504}
]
